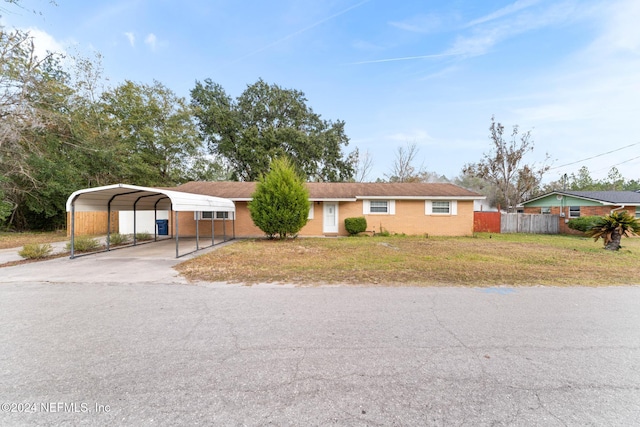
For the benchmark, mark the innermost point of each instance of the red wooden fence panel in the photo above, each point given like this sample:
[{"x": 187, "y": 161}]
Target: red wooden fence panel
[{"x": 486, "y": 222}]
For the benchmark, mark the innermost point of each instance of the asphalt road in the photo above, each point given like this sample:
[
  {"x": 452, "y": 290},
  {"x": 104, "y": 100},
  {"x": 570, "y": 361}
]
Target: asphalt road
[{"x": 175, "y": 354}]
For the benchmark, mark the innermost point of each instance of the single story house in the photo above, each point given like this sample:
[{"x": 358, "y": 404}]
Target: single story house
[
  {"x": 410, "y": 208},
  {"x": 574, "y": 204}
]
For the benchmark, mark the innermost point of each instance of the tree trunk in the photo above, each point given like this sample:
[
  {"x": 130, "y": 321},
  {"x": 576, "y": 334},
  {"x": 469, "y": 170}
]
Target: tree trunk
[{"x": 614, "y": 243}]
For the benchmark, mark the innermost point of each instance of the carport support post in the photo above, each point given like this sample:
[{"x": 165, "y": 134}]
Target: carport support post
[
  {"x": 233, "y": 224},
  {"x": 108, "y": 225},
  {"x": 175, "y": 220},
  {"x": 73, "y": 226},
  {"x": 197, "y": 229},
  {"x": 134, "y": 224},
  {"x": 213, "y": 214}
]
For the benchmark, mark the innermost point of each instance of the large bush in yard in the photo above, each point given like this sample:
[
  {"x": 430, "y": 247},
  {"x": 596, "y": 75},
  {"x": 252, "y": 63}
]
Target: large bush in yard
[
  {"x": 355, "y": 225},
  {"x": 280, "y": 205},
  {"x": 582, "y": 223}
]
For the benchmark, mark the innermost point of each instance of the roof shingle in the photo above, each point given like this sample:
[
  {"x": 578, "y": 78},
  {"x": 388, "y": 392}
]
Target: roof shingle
[{"x": 336, "y": 190}]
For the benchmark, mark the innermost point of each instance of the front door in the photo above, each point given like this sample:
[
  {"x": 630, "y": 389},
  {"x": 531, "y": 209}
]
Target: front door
[{"x": 330, "y": 215}]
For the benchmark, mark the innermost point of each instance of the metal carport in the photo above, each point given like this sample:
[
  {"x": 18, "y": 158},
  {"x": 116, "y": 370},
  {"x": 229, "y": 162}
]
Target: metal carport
[{"x": 134, "y": 198}]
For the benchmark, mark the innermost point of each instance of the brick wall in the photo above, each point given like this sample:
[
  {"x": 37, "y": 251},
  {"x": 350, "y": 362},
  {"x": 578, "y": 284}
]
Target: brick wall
[
  {"x": 584, "y": 211},
  {"x": 410, "y": 219}
]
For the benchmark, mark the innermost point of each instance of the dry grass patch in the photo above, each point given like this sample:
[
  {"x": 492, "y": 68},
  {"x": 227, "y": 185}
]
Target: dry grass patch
[
  {"x": 15, "y": 239},
  {"x": 483, "y": 260}
]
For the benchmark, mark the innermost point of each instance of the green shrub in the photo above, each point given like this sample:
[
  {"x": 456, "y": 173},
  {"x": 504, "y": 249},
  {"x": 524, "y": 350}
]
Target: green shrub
[
  {"x": 280, "y": 205},
  {"x": 583, "y": 223},
  {"x": 355, "y": 225},
  {"x": 84, "y": 244},
  {"x": 118, "y": 239},
  {"x": 35, "y": 251},
  {"x": 143, "y": 236}
]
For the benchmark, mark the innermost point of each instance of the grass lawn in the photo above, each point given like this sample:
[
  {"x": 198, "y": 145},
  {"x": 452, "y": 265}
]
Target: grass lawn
[
  {"x": 482, "y": 260},
  {"x": 17, "y": 240}
]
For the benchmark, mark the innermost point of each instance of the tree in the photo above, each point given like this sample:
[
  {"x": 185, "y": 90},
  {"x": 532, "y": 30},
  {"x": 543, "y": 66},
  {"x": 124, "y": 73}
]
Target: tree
[
  {"x": 505, "y": 168},
  {"x": 479, "y": 185},
  {"x": 33, "y": 91},
  {"x": 403, "y": 169},
  {"x": 154, "y": 130},
  {"x": 266, "y": 122},
  {"x": 613, "y": 227},
  {"x": 362, "y": 165},
  {"x": 582, "y": 181},
  {"x": 280, "y": 203}
]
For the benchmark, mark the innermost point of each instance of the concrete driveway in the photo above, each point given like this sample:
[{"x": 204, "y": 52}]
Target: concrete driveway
[
  {"x": 148, "y": 262},
  {"x": 140, "y": 352}
]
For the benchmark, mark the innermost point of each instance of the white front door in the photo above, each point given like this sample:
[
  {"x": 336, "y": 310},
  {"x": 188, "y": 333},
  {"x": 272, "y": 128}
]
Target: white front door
[{"x": 330, "y": 215}]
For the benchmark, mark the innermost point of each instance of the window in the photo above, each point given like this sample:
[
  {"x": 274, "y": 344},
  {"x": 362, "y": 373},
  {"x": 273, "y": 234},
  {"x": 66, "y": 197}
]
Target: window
[
  {"x": 637, "y": 211},
  {"x": 440, "y": 207},
  {"x": 379, "y": 207},
  {"x": 209, "y": 215},
  {"x": 545, "y": 210},
  {"x": 574, "y": 211}
]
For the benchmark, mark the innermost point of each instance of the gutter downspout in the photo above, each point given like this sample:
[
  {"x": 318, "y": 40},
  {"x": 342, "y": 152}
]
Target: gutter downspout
[{"x": 617, "y": 209}]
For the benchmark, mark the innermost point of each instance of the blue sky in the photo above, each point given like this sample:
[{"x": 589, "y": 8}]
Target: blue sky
[{"x": 397, "y": 72}]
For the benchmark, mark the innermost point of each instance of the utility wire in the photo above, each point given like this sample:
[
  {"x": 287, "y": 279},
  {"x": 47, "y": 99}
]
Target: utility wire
[
  {"x": 617, "y": 164},
  {"x": 598, "y": 155}
]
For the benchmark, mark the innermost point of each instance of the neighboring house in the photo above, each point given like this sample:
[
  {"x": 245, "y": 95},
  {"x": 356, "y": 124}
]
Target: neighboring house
[
  {"x": 574, "y": 204},
  {"x": 410, "y": 208}
]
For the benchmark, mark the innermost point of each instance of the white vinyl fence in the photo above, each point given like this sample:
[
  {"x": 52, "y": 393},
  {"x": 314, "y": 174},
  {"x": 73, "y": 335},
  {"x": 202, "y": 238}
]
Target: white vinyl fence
[{"x": 529, "y": 223}]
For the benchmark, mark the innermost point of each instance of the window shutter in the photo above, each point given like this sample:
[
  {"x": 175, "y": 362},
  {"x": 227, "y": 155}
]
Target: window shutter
[
  {"x": 427, "y": 207},
  {"x": 392, "y": 207},
  {"x": 310, "y": 210},
  {"x": 454, "y": 207},
  {"x": 366, "y": 207}
]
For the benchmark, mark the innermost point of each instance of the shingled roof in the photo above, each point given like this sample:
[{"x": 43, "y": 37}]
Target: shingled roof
[
  {"x": 338, "y": 190},
  {"x": 605, "y": 197},
  {"x": 614, "y": 197}
]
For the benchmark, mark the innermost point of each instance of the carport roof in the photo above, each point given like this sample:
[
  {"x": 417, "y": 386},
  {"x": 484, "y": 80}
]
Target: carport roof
[{"x": 123, "y": 197}]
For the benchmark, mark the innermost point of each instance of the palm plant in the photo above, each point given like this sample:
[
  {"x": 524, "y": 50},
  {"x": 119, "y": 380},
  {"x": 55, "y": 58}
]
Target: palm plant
[{"x": 612, "y": 227}]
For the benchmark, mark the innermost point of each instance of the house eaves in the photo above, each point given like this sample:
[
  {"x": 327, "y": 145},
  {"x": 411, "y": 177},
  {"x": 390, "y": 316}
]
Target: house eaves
[{"x": 605, "y": 198}]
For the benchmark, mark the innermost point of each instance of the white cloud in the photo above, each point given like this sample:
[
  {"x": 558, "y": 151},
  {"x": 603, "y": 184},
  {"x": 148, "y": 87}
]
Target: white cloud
[
  {"x": 505, "y": 11},
  {"x": 590, "y": 101},
  {"x": 420, "y": 24},
  {"x": 414, "y": 135},
  {"x": 131, "y": 37},
  {"x": 484, "y": 37},
  {"x": 151, "y": 40},
  {"x": 490, "y": 30},
  {"x": 43, "y": 42}
]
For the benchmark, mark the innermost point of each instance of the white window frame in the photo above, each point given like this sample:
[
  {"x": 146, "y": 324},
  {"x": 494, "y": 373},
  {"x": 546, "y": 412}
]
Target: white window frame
[
  {"x": 570, "y": 212},
  {"x": 545, "y": 210},
  {"x": 391, "y": 207},
  {"x": 311, "y": 210},
  {"x": 453, "y": 208},
  {"x": 637, "y": 211},
  {"x": 206, "y": 215}
]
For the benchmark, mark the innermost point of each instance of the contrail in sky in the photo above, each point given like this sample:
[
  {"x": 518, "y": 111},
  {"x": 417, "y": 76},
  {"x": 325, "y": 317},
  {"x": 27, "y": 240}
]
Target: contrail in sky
[{"x": 292, "y": 35}]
